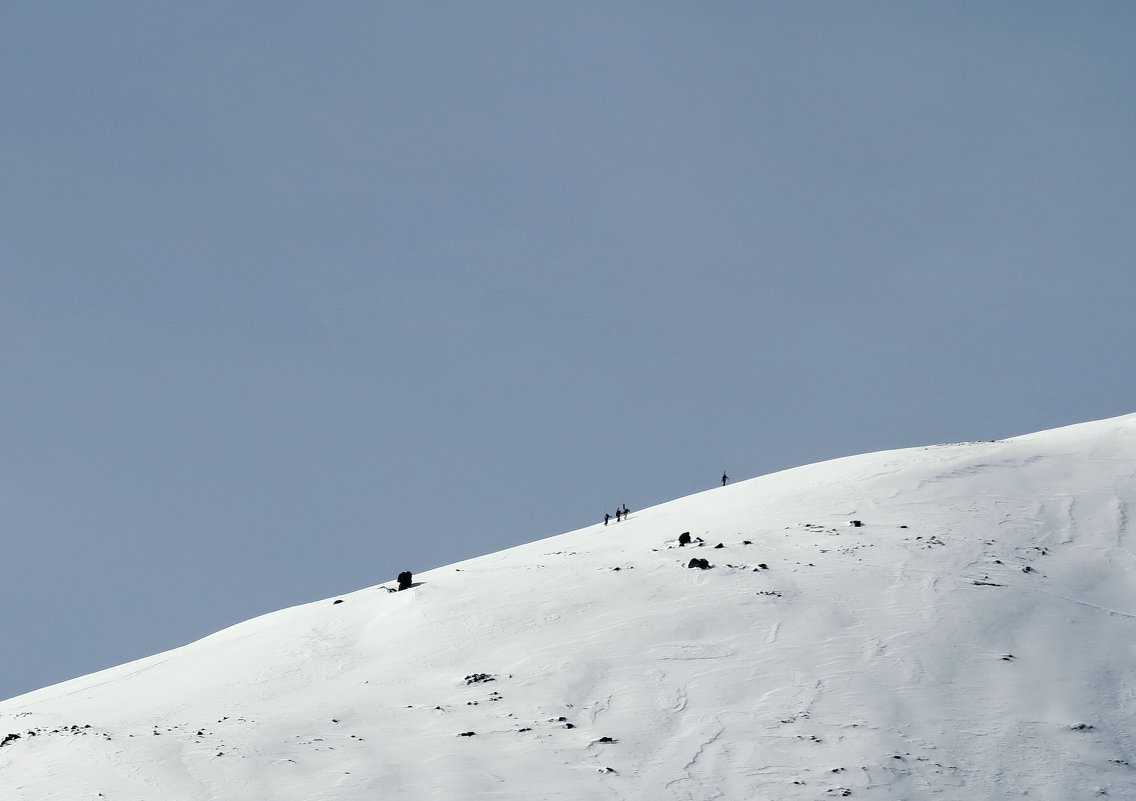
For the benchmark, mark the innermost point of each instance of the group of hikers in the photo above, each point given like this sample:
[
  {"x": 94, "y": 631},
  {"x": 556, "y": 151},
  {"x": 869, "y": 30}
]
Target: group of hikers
[{"x": 621, "y": 513}]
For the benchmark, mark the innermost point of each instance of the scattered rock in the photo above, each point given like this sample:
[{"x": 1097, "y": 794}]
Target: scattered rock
[
  {"x": 701, "y": 564},
  {"x": 337, "y": 601},
  {"x": 467, "y": 734},
  {"x": 478, "y": 678},
  {"x": 684, "y": 538}
]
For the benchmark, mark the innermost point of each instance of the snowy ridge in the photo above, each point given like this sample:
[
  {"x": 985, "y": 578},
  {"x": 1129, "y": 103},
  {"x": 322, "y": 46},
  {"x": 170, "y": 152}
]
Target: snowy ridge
[{"x": 971, "y": 639}]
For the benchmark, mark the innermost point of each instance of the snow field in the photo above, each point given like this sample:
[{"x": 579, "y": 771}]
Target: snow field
[{"x": 972, "y": 639}]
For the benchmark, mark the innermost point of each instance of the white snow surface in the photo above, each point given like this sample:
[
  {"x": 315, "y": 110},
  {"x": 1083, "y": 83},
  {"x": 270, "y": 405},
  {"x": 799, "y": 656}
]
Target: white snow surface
[{"x": 973, "y": 639}]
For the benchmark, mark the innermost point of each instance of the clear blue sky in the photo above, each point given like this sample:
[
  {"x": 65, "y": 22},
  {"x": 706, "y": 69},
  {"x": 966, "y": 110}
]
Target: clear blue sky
[{"x": 295, "y": 296}]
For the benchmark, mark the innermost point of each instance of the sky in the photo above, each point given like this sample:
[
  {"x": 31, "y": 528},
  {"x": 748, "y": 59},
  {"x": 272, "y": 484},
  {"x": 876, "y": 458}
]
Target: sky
[{"x": 294, "y": 297}]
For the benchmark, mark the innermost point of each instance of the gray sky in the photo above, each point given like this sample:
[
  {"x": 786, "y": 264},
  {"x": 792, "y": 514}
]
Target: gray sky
[{"x": 294, "y": 296}]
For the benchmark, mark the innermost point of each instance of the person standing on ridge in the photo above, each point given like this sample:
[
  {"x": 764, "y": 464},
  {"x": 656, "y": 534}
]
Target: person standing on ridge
[
  {"x": 607, "y": 517},
  {"x": 725, "y": 478}
]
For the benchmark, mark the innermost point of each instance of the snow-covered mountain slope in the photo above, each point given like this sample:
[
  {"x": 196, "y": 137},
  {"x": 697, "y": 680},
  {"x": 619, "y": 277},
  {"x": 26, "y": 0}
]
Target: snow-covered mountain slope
[{"x": 972, "y": 639}]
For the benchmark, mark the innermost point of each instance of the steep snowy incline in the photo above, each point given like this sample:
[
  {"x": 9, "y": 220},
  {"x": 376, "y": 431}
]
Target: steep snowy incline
[{"x": 972, "y": 638}]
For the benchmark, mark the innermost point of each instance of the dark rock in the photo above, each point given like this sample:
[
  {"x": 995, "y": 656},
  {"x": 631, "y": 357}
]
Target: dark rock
[
  {"x": 337, "y": 601},
  {"x": 719, "y": 545},
  {"x": 701, "y": 564},
  {"x": 684, "y": 538},
  {"x": 467, "y": 734},
  {"x": 405, "y": 579}
]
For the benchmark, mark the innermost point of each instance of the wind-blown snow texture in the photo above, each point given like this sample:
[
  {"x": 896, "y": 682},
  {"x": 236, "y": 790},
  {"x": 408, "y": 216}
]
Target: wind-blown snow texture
[{"x": 972, "y": 639}]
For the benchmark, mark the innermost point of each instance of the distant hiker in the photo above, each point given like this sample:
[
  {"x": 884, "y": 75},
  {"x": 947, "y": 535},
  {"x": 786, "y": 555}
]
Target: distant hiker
[
  {"x": 725, "y": 478},
  {"x": 618, "y": 512},
  {"x": 404, "y": 580},
  {"x": 626, "y": 511},
  {"x": 607, "y": 517}
]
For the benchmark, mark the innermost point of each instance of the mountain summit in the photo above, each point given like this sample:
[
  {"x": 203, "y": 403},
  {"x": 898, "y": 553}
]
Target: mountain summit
[{"x": 946, "y": 622}]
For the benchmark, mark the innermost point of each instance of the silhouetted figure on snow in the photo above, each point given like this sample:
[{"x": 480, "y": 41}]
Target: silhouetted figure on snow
[
  {"x": 725, "y": 478},
  {"x": 626, "y": 511},
  {"x": 607, "y": 517},
  {"x": 404, "y": 580},
  {"x": 618, "y": 512}
]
